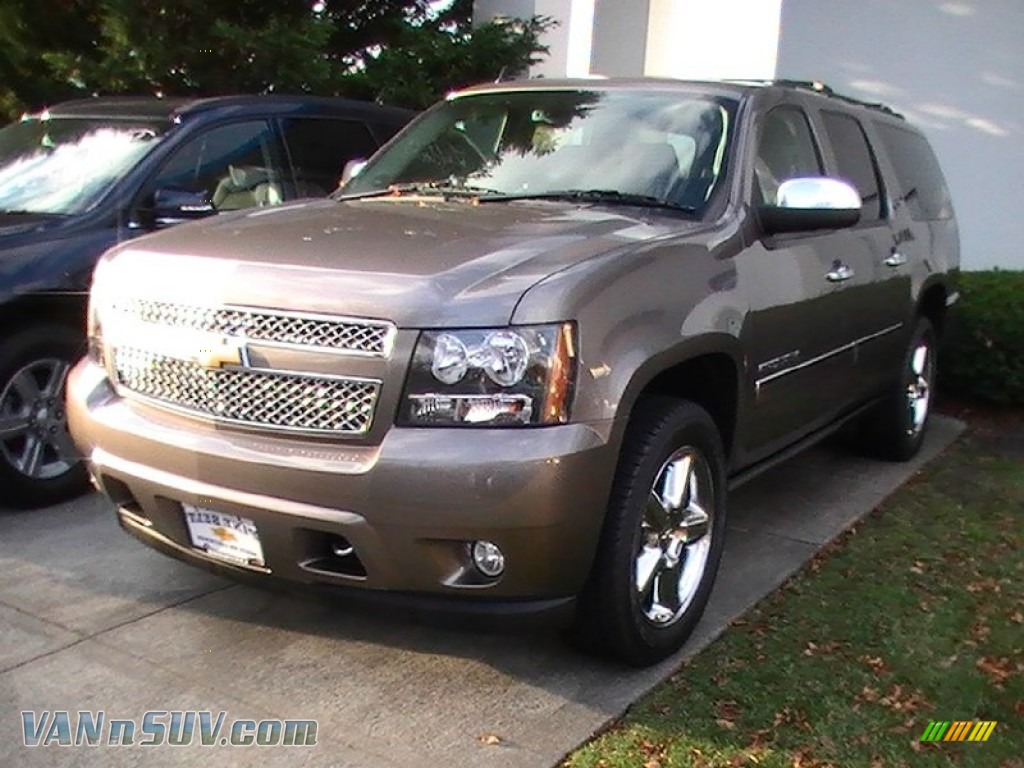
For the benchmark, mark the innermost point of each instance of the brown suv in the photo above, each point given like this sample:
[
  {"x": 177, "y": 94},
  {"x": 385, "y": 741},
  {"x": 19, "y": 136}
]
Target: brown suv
[{"x": 517, "y": 362}]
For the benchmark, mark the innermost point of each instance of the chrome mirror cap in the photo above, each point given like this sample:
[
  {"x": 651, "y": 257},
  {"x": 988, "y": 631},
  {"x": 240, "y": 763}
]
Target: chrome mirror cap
[{"x": 818, "y": 193}]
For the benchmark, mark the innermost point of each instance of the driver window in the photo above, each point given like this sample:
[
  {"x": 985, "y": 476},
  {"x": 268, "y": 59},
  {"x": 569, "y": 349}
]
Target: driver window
[
  {"x": 232, "y": 165},
  {"x": 786, "y": 150}
]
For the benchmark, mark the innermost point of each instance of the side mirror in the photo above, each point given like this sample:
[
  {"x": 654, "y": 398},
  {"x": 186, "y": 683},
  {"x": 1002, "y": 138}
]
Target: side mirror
[
  {"x": 172, "y": 205},
  {"x": 809, "y": 204},
  {"x": 352, "y": 169}
]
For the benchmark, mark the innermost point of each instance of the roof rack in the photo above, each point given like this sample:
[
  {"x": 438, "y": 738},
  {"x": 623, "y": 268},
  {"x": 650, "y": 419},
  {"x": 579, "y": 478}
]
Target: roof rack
[{"x": 816, "y": 86}]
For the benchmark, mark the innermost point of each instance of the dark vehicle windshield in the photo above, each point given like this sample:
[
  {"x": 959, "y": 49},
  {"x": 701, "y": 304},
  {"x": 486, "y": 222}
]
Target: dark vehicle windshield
[
  {"x": 644, "y": 147},
  {"x": 65, "y": 165}
]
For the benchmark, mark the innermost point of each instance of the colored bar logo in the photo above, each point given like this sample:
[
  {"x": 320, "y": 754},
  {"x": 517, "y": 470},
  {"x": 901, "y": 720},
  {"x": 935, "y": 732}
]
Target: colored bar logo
[{"x": 958, "y": 730}]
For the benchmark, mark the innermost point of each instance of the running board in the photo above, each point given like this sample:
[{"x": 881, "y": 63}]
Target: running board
[{"x": 749, "y": 473}]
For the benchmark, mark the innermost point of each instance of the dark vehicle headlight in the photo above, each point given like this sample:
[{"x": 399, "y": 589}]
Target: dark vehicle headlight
[{"x": 514, "y": 376}]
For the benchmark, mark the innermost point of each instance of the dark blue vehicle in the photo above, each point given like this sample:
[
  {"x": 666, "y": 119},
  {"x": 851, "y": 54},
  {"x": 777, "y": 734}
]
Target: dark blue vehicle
[{"x": 84, "y": 175}]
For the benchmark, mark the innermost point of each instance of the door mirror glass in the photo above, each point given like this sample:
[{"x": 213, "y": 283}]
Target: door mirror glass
[
  {"x": 352, "y": 169},
  {"x": 811, "y": 203},
  {"x": 173, "y": 205}
]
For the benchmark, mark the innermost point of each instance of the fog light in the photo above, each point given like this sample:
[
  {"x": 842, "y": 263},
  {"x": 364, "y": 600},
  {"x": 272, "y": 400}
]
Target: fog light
[{"x": 488, "y": 558}]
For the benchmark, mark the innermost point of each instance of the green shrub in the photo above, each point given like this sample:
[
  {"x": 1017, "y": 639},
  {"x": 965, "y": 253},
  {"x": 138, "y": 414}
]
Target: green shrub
[{"x": 983, "y": 354}]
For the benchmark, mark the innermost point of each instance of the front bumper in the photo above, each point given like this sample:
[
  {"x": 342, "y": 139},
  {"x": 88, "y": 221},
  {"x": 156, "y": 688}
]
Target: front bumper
[{"x": 408, "y": 506}]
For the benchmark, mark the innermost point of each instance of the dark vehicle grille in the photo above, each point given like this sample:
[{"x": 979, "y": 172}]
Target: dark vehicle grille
[
  {"x": 250, "y": 397},
  {"x": 357, "y": 337}
]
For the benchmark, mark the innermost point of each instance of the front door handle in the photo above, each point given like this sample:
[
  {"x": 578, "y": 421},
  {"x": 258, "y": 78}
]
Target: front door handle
[
  {"x": 839, "y": 273},
  {"x": 896, "y": 259}
]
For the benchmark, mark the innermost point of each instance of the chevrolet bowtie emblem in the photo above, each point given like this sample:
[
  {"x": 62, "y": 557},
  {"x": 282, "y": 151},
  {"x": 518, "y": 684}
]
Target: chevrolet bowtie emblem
[
  {"x": 224, "y": 534},
  {"x": 219, "y": 354}
]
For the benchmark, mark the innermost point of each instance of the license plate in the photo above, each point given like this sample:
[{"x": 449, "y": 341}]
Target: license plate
[{"x": 227, "y": 536}]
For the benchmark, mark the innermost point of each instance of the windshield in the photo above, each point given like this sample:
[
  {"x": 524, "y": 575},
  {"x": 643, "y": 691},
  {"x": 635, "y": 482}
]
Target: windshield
[
  {"x": 666, "y": 146},
  {"x": 63, "y": 166}
]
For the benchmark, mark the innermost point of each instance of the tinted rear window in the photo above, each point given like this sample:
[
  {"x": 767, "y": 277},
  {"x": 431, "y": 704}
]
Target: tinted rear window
[{"x": 922, "y": 184}]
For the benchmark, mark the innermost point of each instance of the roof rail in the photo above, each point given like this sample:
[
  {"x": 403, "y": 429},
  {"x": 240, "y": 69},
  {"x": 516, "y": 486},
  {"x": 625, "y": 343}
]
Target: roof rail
[{"x": 816, "y": 86}]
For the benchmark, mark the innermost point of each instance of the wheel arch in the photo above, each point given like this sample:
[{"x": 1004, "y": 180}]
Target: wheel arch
[
  {"x": 932, "y": 303},
  {"x": 704, "y": 371},
  {"x": 30, "y": 309}
]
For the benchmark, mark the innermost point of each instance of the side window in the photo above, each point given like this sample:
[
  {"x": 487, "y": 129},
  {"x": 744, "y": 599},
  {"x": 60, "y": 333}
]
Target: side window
[
  {"x": 855, "y": 161},
  {"x": 786, "y": 150},
  {"x": 319, "y": 149},
  {"x": 922, "y": 184},
  {"x": 234, "y": 165}
]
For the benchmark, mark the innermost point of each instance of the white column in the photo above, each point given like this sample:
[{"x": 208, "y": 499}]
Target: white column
[
  {"x": 723, "y": 39},
  {"x": 580, "y": 35}
]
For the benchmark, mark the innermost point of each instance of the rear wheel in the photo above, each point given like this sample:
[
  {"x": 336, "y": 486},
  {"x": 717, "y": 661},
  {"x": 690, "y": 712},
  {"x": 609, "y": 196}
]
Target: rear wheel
[
  {"x": 895, "y": 428},
  {"x": 39, "y": 464},
  {"x": 662, "y": 539}
]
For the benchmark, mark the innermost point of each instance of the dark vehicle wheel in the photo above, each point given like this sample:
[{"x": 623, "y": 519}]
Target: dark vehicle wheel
[
  {"x": 895, "y": 429},
  {"x": 39, "y": 464},
  {"x": 662, "y": 538}
]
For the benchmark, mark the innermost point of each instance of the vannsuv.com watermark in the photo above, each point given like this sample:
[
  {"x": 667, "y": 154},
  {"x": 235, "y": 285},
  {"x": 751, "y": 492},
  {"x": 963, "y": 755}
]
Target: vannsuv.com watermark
[{"x": 178, "y": 729}]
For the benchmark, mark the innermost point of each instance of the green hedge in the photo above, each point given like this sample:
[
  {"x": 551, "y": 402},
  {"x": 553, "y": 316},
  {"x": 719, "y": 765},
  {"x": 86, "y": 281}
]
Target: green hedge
[{"x": 983, "y": 354}]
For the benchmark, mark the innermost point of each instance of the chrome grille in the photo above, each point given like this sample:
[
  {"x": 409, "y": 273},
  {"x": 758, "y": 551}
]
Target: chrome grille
[
  {"x": 253, "y": 397},
  {"x": 350, "y": 336}
]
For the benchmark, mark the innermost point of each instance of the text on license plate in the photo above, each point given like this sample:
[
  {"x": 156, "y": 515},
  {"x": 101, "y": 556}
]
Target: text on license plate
[{"x": 222, "y": 535}]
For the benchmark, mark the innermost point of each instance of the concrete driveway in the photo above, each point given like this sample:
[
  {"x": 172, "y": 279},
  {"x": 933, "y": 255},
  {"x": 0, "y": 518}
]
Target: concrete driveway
[{"x": 92, "y": 620}]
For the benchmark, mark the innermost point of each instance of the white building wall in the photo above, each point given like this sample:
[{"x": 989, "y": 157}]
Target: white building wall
[
  {"x": 717, "y": 40},
  {"x": 956, "y": 69}
]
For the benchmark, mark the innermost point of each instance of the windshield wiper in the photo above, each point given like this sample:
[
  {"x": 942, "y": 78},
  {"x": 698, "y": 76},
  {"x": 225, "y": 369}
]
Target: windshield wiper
[
  {"x": 613, "y": 196},
  {"x": 446, "y": 189}
]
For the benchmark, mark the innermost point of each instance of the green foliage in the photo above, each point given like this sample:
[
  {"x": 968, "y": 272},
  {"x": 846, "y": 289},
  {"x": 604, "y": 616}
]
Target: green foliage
[
  {"x": 404, "y": 53},
  {"x": 423, "y": 57},
  {"x": 983, "y": 356}
]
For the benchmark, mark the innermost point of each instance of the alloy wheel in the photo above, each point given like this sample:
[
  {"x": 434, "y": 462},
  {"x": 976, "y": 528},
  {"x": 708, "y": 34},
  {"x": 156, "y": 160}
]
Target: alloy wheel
[
  {"x": 34, "y": 437},
  {"x": 675, "y": 537},
  {"x": 919, "y": 386}
]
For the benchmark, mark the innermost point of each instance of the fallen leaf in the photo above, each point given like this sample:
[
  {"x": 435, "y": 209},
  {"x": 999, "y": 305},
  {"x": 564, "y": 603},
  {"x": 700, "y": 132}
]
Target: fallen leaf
[
  {"x": 980, "y": 632},
  {"x": 867, "y": 693},
  {"x": 1017, "y": 617},
  {"x": 490, "y": 739},
  {"x": 875, "y": 662},
  {"x": 997, "y": 669},
  {"x": 949, "y": 661},
  {"x": 727, "y": 710}
]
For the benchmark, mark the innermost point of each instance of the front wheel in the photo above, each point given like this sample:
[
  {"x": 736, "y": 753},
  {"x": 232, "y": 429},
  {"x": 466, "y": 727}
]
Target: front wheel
[
  {"x": 662, "y": 538},
  {"x": 39, "y": 464}
]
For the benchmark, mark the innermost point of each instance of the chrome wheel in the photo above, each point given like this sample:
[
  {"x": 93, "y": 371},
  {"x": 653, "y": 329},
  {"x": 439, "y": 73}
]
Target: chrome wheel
[
  {"x": 34, "y": 436},
  {"x": 675, "y": 537},
  {"x": 919, "y": 387}
]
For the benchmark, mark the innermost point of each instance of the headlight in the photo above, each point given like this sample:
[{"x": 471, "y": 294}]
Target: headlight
[
  {"x": 94, "y": 333},
  {"x": 491, "y": 377},
  {"x": 94, "y": 326}
]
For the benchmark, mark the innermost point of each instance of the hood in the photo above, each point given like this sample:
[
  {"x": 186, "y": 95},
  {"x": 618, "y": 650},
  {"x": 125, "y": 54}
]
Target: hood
[{"x": 416, "y": 262}]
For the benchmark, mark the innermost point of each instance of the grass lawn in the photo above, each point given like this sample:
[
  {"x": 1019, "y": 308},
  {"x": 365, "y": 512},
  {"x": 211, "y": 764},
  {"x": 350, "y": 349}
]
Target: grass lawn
[{"x": 916, "y": 614}]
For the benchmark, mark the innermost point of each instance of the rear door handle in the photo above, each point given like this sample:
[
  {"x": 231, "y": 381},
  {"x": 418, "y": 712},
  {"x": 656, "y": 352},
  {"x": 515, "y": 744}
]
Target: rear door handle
[
  {"x": 896, "y": 259},
  {"x": 839, "y": 273}
]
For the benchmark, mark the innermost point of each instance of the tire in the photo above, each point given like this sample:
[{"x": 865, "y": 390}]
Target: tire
[
  {"x": 895, "y": 429},
  {"x": 661, "y": 541},
  {"x": 39, "y": 464}
]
